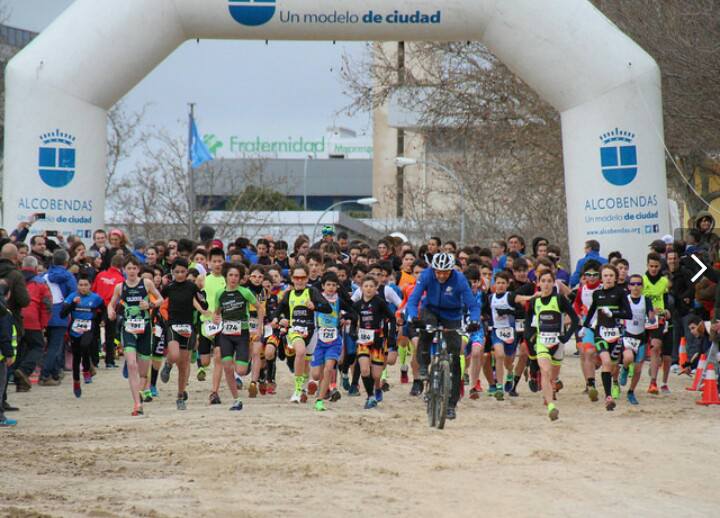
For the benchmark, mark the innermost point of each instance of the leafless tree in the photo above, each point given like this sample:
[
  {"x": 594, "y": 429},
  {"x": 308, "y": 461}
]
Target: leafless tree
[
  {"x": 153, "y": 199},
  {"x": 483, "y": 122},
  {"x": 124, "y": 135}
]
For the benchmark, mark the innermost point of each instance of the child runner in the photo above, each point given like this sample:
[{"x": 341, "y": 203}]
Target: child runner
[
  {"x": 373, "y": 313},
  {"x": 635, "y": 336},
  {"x": 543, "y": 327},
  {"x": 611, "y": 306},
  {"x": 232, "y": 311},
  {"x": 136, "y": 336},
  {"x": 184, "y": 298},
  {"x": 83, "y": 306}
]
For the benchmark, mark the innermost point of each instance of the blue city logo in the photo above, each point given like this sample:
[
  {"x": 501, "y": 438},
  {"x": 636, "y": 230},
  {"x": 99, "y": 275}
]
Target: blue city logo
[
  {"x": 252, "y": 12},
  {"x": 56, "y": 159},
  {"x": 618, "y": 157}
]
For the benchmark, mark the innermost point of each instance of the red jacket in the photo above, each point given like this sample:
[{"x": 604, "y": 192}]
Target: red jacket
[
  {"x": 37, "y": 315},
  {"x": 105, "y": 282}
]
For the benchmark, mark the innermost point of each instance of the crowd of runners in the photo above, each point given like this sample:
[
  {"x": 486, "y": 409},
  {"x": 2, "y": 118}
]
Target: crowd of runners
[{"x": 337, "y": 313}]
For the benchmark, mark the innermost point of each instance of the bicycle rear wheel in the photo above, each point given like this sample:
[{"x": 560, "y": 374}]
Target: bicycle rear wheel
[{"x": 443, "y": 393}]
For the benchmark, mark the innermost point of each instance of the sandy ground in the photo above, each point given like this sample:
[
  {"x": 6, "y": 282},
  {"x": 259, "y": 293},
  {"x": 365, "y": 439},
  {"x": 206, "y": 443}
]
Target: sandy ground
[{"x": 88, "y": 457}]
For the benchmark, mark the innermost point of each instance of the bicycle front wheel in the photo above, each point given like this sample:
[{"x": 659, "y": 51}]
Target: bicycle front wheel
[
  {"x": 432, "y": 393},
  {"x": 442, "y": 394}
]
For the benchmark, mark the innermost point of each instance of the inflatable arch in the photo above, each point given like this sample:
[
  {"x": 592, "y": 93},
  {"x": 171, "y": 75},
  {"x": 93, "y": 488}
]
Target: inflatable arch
[{"x": 605, "y": 86}]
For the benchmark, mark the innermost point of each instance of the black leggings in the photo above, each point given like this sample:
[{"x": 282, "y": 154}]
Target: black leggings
[{"x": 80, "y": 353}]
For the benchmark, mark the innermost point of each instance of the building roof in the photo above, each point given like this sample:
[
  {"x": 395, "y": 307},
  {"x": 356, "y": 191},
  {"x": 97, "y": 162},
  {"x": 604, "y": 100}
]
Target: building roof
[{"x": 325, "y": 177}]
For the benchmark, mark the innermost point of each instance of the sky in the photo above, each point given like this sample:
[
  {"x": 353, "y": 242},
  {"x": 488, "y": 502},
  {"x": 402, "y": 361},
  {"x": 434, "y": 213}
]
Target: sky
[{"x": 295, "y": 86}]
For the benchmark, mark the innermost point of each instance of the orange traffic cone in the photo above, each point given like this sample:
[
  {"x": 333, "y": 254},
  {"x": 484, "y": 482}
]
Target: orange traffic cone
[
  {"x": 698, "y": 374},
  {"x": 682, "y": 354},
  {"x": 710, "y": 387}
]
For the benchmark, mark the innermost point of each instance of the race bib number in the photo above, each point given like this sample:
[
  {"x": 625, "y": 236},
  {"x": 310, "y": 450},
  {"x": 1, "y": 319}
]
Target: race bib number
[
  {"x": 81, "y": 326},
  {"x": 184, "y": 330},
  {"x": 158, "y": 331},
  {"x": 610, "y": 334},
  {"x": 254, "y": 325},
  {"x": 548, "y": 339},
  {"x": 300, "y": 330},
  {"x": 506, "y": 334},
  {"x": 651, "y": 324},
  {"x": 232, "y": 327},
  {"x": 211, "y": 328},
  {"x": 631, "y": 343},
  {"x": 267, "y": 331},
  {"x": 366, "y": 336},
  {"x": 327, "y": 334},
  {"x": 520, "y": 326},
  {"x": 135, "y": 326}
]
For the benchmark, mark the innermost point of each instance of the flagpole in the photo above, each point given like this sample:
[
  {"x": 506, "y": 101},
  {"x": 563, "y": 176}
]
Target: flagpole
[{"x": 191, "y": 176}]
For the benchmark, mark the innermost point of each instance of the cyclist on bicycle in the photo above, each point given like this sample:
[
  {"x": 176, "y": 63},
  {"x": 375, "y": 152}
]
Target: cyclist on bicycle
[{"x": 447, "y": 297}]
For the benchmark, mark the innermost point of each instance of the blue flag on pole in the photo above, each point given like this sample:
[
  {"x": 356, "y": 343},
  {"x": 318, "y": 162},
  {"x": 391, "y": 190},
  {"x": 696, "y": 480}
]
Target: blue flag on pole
[{"x": 199, "y": 153}]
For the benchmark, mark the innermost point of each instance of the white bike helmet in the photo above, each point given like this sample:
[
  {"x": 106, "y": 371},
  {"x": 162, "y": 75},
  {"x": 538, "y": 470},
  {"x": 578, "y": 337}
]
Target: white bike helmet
[{"x": 443, "y": 261}]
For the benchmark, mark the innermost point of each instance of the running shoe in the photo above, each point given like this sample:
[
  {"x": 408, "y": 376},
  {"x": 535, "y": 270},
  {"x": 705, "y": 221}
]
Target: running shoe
[
  {"x": 238, "y": 382},
  {"x": 558, "y": 385},
  {"x": 237, "y": 405},
  {"x": 508, "y": 384},
  {"x": 370, "y": 403},
  {"x": 346, "y": 382},
  {"x": 353, "y": 391},
  {"x": 675, "y": 368},
  {"x": 201, "y": 374},
  {"x": 385, "y": 386},
  {"x": 491, "y": 391},
  {"x": 653, "y": 388},
  {"x": 215, "y": 399},
  {"x": 303, "y": 396},
  {"x": 320, "y": 405},
  {"x": 533, "y": 384},
  {"x": 592, "y": 393},
  {"x": 632, "y": 399},
  {"x": 553, "y": 412},
  {"x": 180, "y": 403},
  {"x": 165, "y": 372},
  {"x": 252, "y": 390},
  {"x": 335, "y": 395},
  {"x": 623, "y": 376},
  {"x": 513, "y": 393},
  {"x": 451, "y": 413},
  {"x": 6, "y": 423},
  {"x": 271, "y": 389},
  {"x": 417, "y": 388},
  {"x": 262, "y": 387},
  {"x": 146, "y": 396},
  {"x": 499, "y": 394},
  {"x": 295, "y": 398},
  {"x": 125, "y": 370},
  {"x": 138, "y": 411},
  {"x": 474, "y": 394},
  {"x": 404, "y": 380},
  {"x": 154, "y": 391},
  {"x": 87, "y": 378},
  {"x": 312, "y": 387},
  {"x": 610, "y": 404},
  {"x": 76, "y": 389},
  {"x": 378, "y": 395},
  {"x": 615, "y": 391},
  {"x": 665, "y": 389}
]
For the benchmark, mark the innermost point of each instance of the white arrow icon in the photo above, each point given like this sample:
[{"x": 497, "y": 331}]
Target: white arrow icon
[{"x": 702, "y": 268}]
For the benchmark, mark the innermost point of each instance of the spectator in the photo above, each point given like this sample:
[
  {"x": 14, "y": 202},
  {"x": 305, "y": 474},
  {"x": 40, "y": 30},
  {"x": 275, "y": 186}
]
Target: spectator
[
  {"x": 7, "y": 358},
  {"x": 36, "y": 317},
  {"x": 18, "y": 293},
  {"x": 705, "y": 223},
  {"x": 139, "y": 246},
  {"x": 592, "y": 251},
  {"x": 38, "y": 249},
  {"x": 61, "y": 283},
  {"x": 100, "y": 242}
]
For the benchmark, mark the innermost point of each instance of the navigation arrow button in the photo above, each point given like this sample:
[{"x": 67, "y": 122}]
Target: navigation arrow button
[{"x": 702, "y": 268}]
